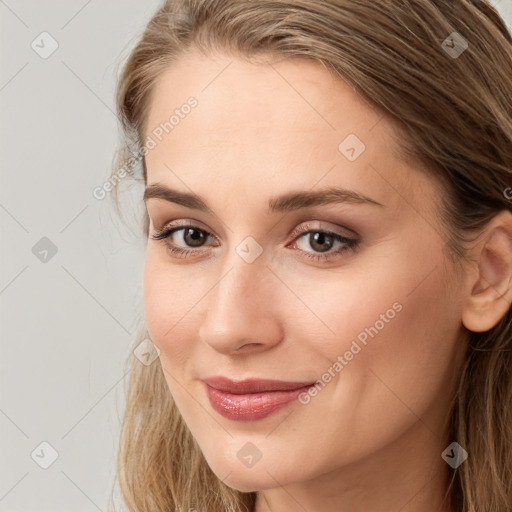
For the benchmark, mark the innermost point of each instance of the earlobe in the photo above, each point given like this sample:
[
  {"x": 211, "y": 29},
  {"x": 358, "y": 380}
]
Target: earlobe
[{"x": 491, "y": 281}]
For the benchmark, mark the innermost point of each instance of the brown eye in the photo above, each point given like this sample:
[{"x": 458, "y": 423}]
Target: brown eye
[
  {"x": 194, "y": 237},
  {"x": 189, "y": 240},
  {"x": 315, "y": 244},
  {"x": 321, "y": 241},
  {"x": 320, "y": 245}
]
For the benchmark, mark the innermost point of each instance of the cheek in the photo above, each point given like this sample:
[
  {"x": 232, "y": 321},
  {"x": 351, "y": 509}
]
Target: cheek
[
  {"x": 167, "y": 299},
  {"x": 396, "y": 327},
  {"x": 407, "y": 355},
  {"x": 155, "y": 300}
]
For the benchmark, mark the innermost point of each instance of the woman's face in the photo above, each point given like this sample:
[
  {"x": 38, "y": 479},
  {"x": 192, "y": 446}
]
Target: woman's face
[{"x": 284, "y": 280}]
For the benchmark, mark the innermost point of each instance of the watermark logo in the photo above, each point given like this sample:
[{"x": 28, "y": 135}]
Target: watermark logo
[
  {"x": 147, "y": 352},
  {"x": 44, "y": 45},
  {"x": 454, "y": 455},
  {"x": 343, "y": 360},
  {"x": 44, "y": 455},
  {"x": 249, "y": 249},
  {"x": 44, "y": 250},
  {"x": 249, "y": 455},
  {"x": 454, "y": 45},
  {"x": 152, "y": 140},
  {"x": 169, "y": 125},
  {"x": 352, "y": 147}
]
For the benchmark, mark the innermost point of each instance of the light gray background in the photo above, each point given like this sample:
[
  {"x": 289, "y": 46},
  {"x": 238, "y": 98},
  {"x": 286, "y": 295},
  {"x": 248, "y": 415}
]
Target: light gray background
[{"x": 67, "y": 323}]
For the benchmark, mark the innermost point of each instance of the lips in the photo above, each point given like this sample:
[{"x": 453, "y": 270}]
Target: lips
[{"x": 252, "y": 399}]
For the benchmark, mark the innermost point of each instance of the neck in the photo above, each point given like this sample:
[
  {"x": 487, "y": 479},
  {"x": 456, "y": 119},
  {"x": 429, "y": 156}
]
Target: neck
[{"x": 407, "y": 475}]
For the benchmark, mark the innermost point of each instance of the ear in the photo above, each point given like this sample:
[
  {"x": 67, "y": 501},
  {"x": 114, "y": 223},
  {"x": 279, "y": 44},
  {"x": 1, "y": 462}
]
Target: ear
[{"x": 490, "y": 281}]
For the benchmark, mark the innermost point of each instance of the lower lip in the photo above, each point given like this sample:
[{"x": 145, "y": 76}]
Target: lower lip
[{"x": 251, "y": 406}]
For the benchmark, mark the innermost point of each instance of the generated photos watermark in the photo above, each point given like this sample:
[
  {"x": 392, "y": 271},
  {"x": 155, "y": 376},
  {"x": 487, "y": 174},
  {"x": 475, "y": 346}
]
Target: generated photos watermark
[
  {"x": 151, "y": 142},
  {"x": 343, "y": 360}
]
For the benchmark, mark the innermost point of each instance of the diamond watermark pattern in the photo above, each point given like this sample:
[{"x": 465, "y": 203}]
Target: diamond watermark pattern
[
  {"x": 44, "y": 250},
  {"x": 454, "y": 455},
  {"x": 147, "y": 352},
  {"x": 249, "y": 455},
  {"x": 352, "y": 147},
  {"x": 249, "y": 249},
  {"x": 454, "y": 45},
  {"x": 44, "y": 455},
  {"x": 44, "y": 45}
]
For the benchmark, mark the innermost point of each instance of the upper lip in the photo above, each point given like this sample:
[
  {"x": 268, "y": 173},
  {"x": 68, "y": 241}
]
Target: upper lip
[{"x": 240, "y": 387}]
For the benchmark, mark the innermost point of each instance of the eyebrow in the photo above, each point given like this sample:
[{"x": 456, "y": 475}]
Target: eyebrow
[{"x": 284, "y": 203}]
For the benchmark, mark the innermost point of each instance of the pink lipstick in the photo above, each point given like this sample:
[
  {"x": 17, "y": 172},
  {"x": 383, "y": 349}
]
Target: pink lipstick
[{"x": 252, "y": 399}]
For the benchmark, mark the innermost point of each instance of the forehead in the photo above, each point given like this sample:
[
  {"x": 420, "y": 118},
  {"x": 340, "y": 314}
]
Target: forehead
[
  {"x": 228, "y": 88},
  {"x": 268, "y": 124}
]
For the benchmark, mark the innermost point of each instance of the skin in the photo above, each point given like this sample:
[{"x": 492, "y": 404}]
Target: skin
[{"x": 372, "y": 438}]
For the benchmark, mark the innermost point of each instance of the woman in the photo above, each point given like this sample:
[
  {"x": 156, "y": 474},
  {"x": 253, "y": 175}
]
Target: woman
[{"x": 329, "y": 257}]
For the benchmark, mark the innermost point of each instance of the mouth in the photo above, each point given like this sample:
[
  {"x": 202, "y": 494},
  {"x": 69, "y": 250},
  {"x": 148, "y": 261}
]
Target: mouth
[{"x": 251, "y": 399}]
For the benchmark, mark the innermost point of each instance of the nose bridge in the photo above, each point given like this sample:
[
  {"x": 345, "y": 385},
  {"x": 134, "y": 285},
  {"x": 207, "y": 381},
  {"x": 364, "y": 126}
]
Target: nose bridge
[
  {"x": 243, "y": 271},
  {"x": 237, "y": 308},
  {"x": 238, "y": 281}
]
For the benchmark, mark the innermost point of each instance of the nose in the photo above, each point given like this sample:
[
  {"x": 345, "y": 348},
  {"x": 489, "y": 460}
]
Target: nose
[{"x": 242, "y": 309}]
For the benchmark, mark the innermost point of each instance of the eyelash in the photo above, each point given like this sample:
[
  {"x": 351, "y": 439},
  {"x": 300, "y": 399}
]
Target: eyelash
[{"x": 350, "y": 243}]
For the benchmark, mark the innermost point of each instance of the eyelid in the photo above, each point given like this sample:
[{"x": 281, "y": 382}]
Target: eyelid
[
  {"x": 307, "y": 226},
  {"x": 184, "y": 223},
  {"x": 303, "y": 228},
  {"x": 349, "y": 243}
]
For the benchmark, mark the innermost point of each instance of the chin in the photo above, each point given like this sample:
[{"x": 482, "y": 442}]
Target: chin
[{"x": 244, "y": 481}]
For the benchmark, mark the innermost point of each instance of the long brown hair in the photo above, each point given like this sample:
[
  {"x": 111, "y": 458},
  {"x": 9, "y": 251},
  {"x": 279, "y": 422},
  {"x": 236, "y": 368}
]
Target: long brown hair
[{"x": 454, "y": 115}]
